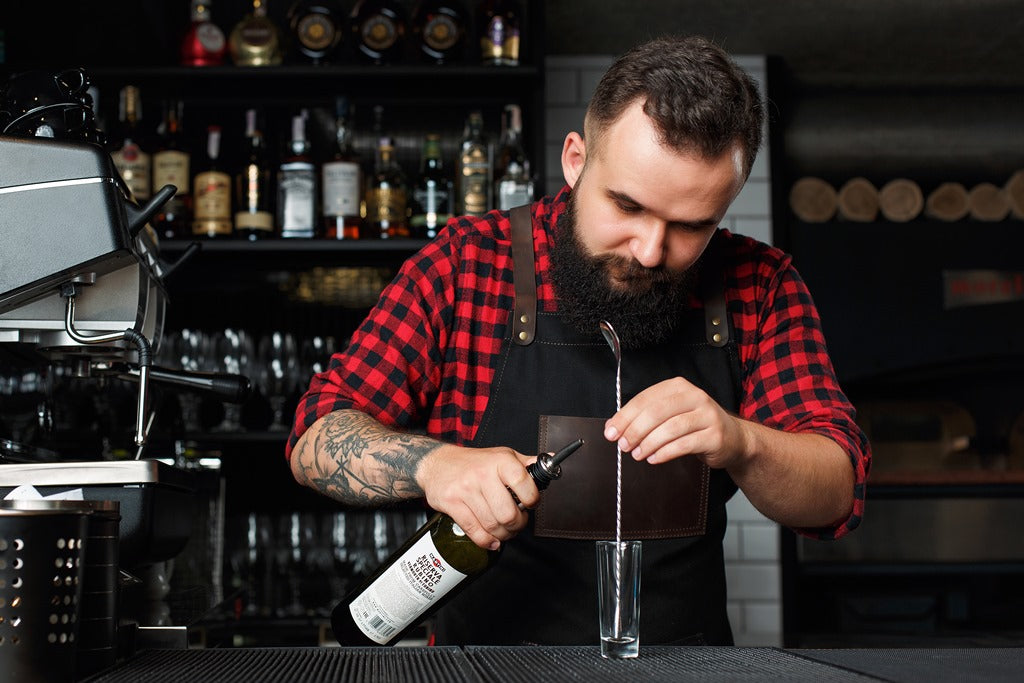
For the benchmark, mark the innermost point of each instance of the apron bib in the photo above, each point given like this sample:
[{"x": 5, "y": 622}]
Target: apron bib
[{"x": 553, "y": 385}]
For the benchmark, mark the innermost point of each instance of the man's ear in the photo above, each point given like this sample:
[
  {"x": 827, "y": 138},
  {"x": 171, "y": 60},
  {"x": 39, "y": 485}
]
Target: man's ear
[{"x": 574, "y": 155}]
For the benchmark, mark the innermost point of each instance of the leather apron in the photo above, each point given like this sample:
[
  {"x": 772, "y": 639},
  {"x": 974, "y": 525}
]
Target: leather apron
[{"x": 553, "y": 385}]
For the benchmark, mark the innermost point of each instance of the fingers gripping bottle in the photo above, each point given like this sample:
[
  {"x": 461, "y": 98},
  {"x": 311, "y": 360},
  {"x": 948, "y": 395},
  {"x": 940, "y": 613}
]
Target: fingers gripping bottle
[{"x": 430, "y": 568}]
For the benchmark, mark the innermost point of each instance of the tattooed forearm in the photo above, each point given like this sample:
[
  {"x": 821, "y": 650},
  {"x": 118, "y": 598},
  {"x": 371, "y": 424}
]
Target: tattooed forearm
[{"x": 351, "y": 457}]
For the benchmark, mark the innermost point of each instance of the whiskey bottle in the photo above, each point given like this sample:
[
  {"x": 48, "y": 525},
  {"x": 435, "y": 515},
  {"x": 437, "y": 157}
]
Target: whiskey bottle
[
  {"x": 499, "y": 26},
  {"x": 473, "y": 172},
  {"x": 514, "y": 187},
  {"x": 439, "y": 30},
  {"x": 386, "y": 203},
  {"x": 430, "y": 568},
  {"x": 342, "y": 181},
  {"x": 432, "y": 197},
  {"x": 171, "y": 166},
  {"x": 296, "y": 186},
  {"x": 255, "y": 40},
  {"x": 254, "y": 219},
  {"x": 133, "y": 162},
  {"x": 204, "y": 43},
  {"x": 211, "y": 189},
  {"x": 377, "y": 28},
  {"x": 315, "y": 28}
]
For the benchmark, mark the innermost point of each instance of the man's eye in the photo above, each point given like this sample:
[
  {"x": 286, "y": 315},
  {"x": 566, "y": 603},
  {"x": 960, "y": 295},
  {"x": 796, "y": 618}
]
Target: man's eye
[{"x": 629, "y": 208}]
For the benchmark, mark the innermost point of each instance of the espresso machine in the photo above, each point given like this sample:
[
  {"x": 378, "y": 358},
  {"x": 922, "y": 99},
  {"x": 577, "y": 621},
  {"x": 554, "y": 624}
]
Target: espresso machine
[{"x": 82, "y": 290}]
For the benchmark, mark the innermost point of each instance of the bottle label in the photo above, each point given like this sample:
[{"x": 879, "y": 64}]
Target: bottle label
[
  {"x": 499, "y": 42},
  {"x": 210, "y": 37},
  {"x": 254, "y": 220},
  {"x": 513, "y": 193},
  {"x": 297, "y": 207},
  {"x": 406, "y": 589},
  {"x": 134, "y": 166},
  {"x": 385, "y": 205},
  {"x": 171, "y": 168},
  {"x": 341, "y": 188},
  {"x": 212, "y": 191}
]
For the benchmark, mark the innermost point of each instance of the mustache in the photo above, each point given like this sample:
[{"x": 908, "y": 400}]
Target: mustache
[{"x": 628, "y": 269}]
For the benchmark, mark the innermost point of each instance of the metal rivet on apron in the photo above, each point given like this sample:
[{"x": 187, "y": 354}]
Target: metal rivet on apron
[
  {"x": 716, "y": 321},
  {"x": 523, "y": 335},
  {"x": 524, "y": 318},
  {"x": 717, "y": 337}
]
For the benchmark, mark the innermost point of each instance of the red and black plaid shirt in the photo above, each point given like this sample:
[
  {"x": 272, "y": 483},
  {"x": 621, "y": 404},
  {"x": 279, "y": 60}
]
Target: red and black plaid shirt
[{"x": 426, "y": 354}]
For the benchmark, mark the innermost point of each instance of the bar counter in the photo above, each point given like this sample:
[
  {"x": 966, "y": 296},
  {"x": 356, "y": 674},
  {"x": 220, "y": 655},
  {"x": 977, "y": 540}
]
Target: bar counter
[{"x": 541, "y": 664}]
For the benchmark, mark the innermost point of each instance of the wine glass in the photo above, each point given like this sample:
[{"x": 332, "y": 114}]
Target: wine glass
[
  {"x": 278, "y": 363},
  {"x": 233, "y": 354}
]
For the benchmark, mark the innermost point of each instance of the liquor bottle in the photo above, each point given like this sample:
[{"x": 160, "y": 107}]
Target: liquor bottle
[
  {"x": 211, "y": 189},
  {"x": 439, "y": 30},
  {"x": 171, "y": 166},
  {"x": 430, "y": 568},
  {"x": 377, "y": 28},
  {"x": 432, "y": 197},
  {"x": 316, "y": 29},
  {"x": 133, "y": 162},
  {"x": 296, "y": 186},
  {"x": 473, "y": 172},
  {"x": 255, "y": 40},
  {"x": 514, "y": 187},
  {"x": 386, "y": 203},
  {"x": 341, "y": 180},
  {"x": 254, "y": 219},
  {"x": 499, "y": 25},
  {"x": 204, "y": 43}
]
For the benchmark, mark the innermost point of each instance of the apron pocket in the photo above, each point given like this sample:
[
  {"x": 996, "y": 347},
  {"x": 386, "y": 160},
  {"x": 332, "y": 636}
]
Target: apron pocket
[{"x": 658, "y": 501}]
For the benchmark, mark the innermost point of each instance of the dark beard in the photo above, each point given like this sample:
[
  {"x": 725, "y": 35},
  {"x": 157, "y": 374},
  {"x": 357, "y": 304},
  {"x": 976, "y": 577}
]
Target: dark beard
[{"x": 645, "y": 312}]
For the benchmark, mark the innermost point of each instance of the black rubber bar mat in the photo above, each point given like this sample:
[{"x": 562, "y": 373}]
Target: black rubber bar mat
[
  {"x": 931, "y": 665},
  {"x": 295, "y": 665},
  {"x": 655, "y": 664}
]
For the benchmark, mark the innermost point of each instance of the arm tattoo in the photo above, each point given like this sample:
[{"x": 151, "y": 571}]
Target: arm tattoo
[{"x": 355, "y": 460}]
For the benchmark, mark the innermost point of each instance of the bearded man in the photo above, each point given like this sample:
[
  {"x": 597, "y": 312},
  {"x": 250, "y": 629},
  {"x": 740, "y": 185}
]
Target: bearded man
[{"x": 486, "y": 349}]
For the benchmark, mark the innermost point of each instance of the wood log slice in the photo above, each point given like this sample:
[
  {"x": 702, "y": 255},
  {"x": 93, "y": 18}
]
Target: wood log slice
[
  {"x": 947, "y": 202},
  {"x": 858, "y": 200},
  {"x": 1014, "y": 188},
  {"x": 813, "y": 200},
  {"x": 901, "y": 200},
  {"x": 988, "y": 203}
]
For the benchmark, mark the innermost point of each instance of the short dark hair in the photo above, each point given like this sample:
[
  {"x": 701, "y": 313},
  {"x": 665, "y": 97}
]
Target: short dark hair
[{"x": 698, "y": 98}]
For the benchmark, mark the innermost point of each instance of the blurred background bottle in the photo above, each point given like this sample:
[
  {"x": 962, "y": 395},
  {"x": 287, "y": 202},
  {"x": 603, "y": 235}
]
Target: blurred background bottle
[
  {"x": 498, "y": 22},
  {"x": 296, "y": 185},
  {"x": 254, "y": 217},
  {"x": 378, "y": 28},
  {"x": 204, "y": 43},
  {"x": 513, "y": 183},
  {"x": 211, "y": 189},
  {"x": 130, "y": 153},
  {"x": 473, "y": 170},
  {"x": 315, "y": 29},
  {"x": 172, "y": 166},
  {"x": 255, "y": 40},
  {"x": 439, "y": 30},
  {"x": 386, "y": 199},
  {"x": 342, "y": 180},
  {"x": 432, "y": 196}
]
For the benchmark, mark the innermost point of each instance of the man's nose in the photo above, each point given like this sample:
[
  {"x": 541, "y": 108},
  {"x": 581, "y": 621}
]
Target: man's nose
[{"x": 648, "y": 245}]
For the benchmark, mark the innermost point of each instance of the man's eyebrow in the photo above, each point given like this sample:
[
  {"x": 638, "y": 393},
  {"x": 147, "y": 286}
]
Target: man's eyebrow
[{"x": 624, "y": 198}]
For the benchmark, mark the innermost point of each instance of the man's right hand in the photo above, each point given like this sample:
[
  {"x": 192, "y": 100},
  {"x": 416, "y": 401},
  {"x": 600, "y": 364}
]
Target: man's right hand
[{"x": 473, "y": 485}]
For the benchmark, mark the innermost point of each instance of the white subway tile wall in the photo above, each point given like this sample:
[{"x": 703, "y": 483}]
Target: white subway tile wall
[{"x": 751, "y": 542}]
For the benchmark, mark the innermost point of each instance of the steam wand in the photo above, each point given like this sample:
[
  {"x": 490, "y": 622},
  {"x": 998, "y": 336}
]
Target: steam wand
[{"x": 69, "y": 290}]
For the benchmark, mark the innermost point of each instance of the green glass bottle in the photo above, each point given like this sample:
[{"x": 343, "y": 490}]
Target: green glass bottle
[{"x": 430, "y": 568}]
